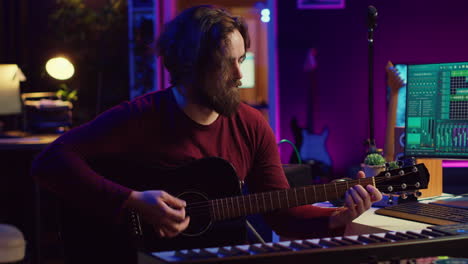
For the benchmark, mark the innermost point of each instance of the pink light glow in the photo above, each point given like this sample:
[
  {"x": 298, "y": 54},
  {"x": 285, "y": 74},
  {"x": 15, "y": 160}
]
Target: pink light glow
[{"x": 455, "y": 164}]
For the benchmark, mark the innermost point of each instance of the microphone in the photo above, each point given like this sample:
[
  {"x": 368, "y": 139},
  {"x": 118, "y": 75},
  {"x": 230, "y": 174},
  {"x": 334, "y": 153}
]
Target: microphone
[{"x": 372, "y": 21}]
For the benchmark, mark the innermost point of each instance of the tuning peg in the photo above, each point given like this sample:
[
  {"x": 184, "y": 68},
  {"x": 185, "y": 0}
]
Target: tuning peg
[
  {"x": 403, "y": 196},
  {"x": 417, "y": 194}
]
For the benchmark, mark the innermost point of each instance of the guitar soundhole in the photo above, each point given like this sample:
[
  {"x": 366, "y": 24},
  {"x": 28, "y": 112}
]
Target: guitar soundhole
[{"x": 198, "y": 210}]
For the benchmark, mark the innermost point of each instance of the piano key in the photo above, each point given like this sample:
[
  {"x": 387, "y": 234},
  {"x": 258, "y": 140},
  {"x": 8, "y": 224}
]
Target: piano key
[
  {"x": 409, "y": 236},
  {"x": 354, "y": 241},
  {"x": 367, "y": 240},
  {"x": 341, "y": 242},
  {"x": 417, "y": 234},
  {"x": 232, "y": 251},
  {"x": 432, "y": 233},
  {"x": 379, "y": 238},
  {"x": 328, "y": 243},
  {"x": 260, "y": 249},
  {"x": 311, "y": 244},
  {"x": 446, "y": 232},
  {"x": 266, "y": 248},
  {"x": 187, "y": 254},
  {"x": 180, "y": 253},
  {"x": 281, "y": 247},
  {"x": 207, "y": 254},
  {"x": 299, "y": 246},
  {"x": 395, "y": 237}
]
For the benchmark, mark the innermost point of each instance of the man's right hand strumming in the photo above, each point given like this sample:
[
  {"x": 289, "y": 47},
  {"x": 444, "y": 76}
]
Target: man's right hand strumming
[{"x": 165, "y": 212}]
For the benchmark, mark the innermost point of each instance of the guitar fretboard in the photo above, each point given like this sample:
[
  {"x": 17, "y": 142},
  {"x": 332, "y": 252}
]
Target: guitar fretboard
[{"x": 232, "y": 207}]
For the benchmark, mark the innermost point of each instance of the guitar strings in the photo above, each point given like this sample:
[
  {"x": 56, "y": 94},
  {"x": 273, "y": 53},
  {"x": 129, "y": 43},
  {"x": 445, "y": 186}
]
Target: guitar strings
[
  {"x": 202, "y": 207},
  {"x": 326, "y": 187}
]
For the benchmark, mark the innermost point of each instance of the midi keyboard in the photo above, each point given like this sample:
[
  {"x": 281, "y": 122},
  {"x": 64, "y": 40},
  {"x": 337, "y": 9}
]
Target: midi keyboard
[{"x": 448, "y": 240}]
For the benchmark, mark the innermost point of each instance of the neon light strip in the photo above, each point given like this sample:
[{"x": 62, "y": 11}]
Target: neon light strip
[{"x": 455, "y": 164}]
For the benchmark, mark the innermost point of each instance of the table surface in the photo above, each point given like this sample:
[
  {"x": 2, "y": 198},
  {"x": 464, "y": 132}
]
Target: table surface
[
  {"x": 26, "y": 141},
  {"x": 370, "y": 222}
]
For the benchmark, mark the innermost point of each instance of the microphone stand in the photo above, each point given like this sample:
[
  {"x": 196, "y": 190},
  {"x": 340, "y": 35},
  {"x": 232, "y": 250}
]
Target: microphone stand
[{"x": 372, "y": 15}]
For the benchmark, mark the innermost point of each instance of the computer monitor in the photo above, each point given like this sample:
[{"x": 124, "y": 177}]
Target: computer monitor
[
  {"x": 248, "y": 71},
  {"x": 436, "y": 124}
]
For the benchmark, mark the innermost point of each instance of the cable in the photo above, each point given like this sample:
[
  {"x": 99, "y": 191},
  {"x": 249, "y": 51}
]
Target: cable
[
  {"x": 299, "y": 160},
  {"x": 255, "y": 233}
]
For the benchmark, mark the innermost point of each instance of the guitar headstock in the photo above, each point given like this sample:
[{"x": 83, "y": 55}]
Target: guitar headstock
[
  {"x": 393, "y": 78},
  {"x": 405, "y": 179}
]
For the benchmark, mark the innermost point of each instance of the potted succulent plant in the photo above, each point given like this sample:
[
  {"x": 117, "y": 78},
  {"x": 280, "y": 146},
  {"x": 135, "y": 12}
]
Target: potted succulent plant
[{"x": 373, "y": 164}]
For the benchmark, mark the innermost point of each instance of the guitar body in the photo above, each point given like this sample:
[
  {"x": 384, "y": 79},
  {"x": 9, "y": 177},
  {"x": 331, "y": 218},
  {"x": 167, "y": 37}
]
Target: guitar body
[
  {"x": 199, "y": 181},
  {"x": 313, "y": 147}
]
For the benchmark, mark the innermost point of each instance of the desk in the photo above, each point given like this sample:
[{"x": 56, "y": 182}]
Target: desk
[
  {"x": 369, "y": 222},
  {"x": 19, "y": 195},
  {"x": 26, "y": 142}
]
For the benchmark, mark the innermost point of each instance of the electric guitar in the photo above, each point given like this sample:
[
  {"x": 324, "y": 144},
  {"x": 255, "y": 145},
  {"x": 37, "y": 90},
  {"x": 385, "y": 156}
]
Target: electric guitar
[
  {"x": 312, "y": 146},
  {"x": 395, "y": 83},
  {"x": 215, "y": 203}
]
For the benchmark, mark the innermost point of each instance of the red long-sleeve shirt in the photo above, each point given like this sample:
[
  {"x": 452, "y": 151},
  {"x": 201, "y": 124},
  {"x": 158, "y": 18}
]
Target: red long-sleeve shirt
[{"x": 153, "y": 127}]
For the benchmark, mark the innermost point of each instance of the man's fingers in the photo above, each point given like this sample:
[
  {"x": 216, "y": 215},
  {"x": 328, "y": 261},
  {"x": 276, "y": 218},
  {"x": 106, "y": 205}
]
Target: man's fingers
[
  {"x": 357, "y": 200},
  {"x": 173, "y": 229},
  {"x": 360, "y": 174},
  {"x": 350, "y": 203},
  {"x": 159, "y": 231},
  {"x": 177, "y": 227},
  {"x": 375, "y": 194},
  {"x": 364, "y": 195},
  {"x": 173, "y": 201},
  {"x": 171, "y": 214}
]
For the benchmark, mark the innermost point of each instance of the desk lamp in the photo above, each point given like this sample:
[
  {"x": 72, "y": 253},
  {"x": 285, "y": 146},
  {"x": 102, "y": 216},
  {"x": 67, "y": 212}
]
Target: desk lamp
[
  {"x": 44, "y": 113},
  {"x": 62, "y": 69}
]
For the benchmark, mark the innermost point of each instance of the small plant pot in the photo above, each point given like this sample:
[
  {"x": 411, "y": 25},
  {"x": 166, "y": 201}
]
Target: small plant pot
[{"x": 372, "y": 170}]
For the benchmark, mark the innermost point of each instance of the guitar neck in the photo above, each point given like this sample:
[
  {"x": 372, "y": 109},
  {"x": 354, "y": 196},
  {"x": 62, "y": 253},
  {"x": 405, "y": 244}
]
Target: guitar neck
[{"x": 232, "y": 207}]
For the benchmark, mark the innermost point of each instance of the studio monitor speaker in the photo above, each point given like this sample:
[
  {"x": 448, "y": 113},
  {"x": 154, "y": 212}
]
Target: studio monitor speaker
[
  {"x": 433, "y": 165},
  {"x": 399, "y": 142}
]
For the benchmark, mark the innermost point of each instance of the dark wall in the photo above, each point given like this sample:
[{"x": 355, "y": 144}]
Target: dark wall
[
  {"x": 415, "y": 31},
  {"x": 28, "y": 37},
  {"x": 23, "y": 25}
]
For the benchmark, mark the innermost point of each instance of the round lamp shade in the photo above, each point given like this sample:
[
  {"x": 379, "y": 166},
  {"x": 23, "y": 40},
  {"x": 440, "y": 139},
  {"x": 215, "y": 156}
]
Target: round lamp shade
[{"x": 60, "y": 68}]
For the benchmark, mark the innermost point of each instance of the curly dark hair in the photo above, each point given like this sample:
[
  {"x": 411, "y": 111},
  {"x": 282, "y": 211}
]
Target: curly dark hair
[{"x": 191, "y": 45}]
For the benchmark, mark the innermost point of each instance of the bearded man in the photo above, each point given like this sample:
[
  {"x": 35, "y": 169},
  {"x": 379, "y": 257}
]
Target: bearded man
[{"x": 199, "y": 116}]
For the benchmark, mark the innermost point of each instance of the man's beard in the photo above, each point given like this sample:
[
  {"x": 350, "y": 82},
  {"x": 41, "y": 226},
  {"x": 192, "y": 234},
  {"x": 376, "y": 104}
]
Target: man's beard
[{"x": 224, "y": 100}]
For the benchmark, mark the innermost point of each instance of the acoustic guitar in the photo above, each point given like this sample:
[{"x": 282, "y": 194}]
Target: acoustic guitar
[{"x": 217, "y": 207}]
